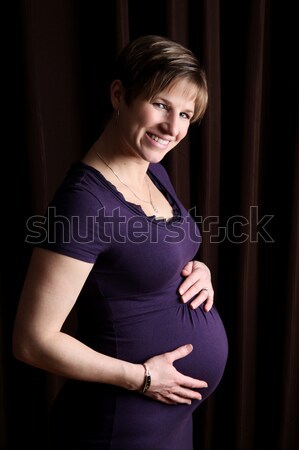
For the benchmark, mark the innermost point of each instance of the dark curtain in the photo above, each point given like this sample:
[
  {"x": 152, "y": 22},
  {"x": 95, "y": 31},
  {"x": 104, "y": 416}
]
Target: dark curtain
[{"x": 238, "y": 173}]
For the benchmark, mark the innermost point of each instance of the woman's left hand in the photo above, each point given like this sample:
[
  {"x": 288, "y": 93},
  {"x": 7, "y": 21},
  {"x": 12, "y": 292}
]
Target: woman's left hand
[{"x": 198, "y": 281}]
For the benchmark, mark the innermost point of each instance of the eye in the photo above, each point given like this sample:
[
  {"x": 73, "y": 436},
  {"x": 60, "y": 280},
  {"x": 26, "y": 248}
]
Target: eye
[
  {"x": 161, "y": 106},
  {"x": 185, "y": 115}
]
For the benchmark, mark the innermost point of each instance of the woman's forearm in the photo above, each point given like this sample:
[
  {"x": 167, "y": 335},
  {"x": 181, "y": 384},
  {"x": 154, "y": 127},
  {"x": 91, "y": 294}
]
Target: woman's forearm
[{"x": 64, "y": 355}]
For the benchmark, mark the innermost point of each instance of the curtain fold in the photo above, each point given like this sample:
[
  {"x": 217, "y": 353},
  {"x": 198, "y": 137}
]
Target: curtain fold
[
  {"x": 290, "y": 402},
  {"x": 122, "y": 24},
  {"x": 178, "y": 162},
  {"x": 248, "y": 269},
  {"x": 52, "y": 101},
  {"x": 207, "y": 180},
  {"x": 210, "y": 153},
  {"x": 248, "y": 151}
]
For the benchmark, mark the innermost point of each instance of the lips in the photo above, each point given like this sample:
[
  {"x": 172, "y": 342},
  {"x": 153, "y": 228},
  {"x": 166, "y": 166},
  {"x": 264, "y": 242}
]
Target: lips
[{"x": 158, "y": 139}]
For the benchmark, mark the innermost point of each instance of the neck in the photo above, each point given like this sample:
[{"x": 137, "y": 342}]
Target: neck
[
  {"x": 129, "y": 167},
  {"x": 127, "y": 186}
]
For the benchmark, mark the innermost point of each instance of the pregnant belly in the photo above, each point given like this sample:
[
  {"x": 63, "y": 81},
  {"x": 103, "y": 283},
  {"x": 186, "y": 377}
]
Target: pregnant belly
[
  {"x": 134, "y": 330},
  {"x": 164, "y": 331},
  {"x": 127, "y": 419}
]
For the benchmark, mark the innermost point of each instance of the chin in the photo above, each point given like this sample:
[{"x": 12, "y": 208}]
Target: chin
[{"x": 155, "y": 156}]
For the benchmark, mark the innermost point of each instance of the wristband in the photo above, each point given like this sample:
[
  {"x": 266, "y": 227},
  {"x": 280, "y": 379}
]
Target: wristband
[{"x": 147, "y": 379}]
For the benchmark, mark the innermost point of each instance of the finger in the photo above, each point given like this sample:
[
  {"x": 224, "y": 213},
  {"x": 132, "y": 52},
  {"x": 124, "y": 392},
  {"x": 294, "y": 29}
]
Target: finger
[
  {"x": 160, "y": 398},
  {"x": 192, "y": 383},
  {"x": 209, "y": 303},
  {"x": 184, "y": 395},
  {"x": 180, "y": 352},
  {"x": 204, "y": 296},
  {"x": 187, "y": 269},
  {"x": 193, "y": 290},
  {"x": 176, "y": 399},
  {"x": 188, "y": 394},
  {"x": 188, "y": 282},
  {"x": 193, "y": 284}
]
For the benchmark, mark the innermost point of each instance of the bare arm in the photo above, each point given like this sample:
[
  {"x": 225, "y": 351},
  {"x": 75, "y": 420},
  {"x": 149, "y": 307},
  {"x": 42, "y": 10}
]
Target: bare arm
[{"x": 51, "y": 288}]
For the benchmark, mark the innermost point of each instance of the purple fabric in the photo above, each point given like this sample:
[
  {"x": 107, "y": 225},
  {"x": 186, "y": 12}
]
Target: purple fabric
[{"x": 130, "y": 309}]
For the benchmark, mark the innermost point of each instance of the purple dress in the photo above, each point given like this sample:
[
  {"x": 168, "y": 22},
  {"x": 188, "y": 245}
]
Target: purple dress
[{"x": 129, "y": 308}]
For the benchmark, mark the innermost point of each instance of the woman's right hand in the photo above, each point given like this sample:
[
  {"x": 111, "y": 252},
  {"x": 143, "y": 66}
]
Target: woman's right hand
[{"x": 167, "y": 384}]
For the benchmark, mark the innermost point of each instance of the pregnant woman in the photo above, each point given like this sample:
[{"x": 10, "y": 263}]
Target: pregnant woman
[{"x": 117, "y": 245}]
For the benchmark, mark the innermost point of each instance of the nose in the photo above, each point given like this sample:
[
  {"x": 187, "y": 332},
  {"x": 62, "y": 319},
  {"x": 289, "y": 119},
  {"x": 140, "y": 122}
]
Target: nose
[{"x": 171, "y": 124}]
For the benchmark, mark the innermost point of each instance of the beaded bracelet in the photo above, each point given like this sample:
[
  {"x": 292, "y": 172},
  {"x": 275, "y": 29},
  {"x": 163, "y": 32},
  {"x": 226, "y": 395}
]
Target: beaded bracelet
[{"x": 147, "y": 379}]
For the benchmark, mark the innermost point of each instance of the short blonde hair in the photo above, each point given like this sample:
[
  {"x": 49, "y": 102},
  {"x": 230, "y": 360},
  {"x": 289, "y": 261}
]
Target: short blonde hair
[{"x": 151, "y": 63}]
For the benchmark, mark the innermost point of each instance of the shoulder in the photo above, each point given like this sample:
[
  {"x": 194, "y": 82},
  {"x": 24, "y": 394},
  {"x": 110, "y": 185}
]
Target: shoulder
[
  {"x": 81, "y": 175},
  {"x": 72, "y": 224},
  {"x": 82, "y": 184},
  {"x": 158, "y": 170},
  {"x": 161, "y": 174}
]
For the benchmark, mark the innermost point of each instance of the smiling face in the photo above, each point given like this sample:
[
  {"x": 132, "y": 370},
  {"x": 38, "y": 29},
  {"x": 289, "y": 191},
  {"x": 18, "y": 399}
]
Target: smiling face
[{"x": 151, "y": 128}]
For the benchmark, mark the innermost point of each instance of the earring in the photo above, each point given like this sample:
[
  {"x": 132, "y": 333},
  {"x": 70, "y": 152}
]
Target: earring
[{"x": 116, "y": 115}]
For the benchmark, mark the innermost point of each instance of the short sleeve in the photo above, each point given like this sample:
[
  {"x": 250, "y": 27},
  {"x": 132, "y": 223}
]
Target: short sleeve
[{"x": 73, "y": 225}]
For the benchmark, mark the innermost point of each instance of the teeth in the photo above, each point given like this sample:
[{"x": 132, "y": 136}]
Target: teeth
[{"x": 157, "y": 139}]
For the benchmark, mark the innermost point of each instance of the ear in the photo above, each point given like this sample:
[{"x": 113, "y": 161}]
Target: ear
[{"x": 116, "y": 93}]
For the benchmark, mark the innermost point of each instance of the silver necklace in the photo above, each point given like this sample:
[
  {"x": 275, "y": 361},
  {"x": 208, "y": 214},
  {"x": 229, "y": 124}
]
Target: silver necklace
[{"x": 150, "y": 201}]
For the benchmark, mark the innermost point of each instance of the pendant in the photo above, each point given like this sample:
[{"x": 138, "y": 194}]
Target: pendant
[{"x": 154, "y": 208}]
